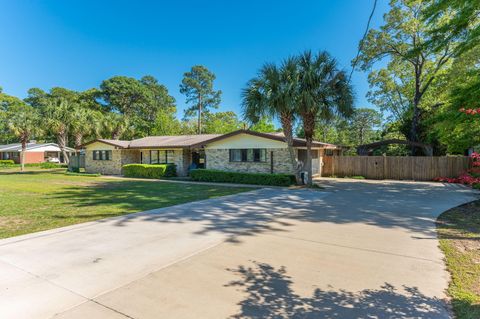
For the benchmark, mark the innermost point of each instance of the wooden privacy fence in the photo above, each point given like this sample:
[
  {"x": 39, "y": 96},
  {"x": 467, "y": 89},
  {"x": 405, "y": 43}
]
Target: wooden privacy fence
[
  {"x": 420, "y": 168},
  {"x": 76, "y": 162}
]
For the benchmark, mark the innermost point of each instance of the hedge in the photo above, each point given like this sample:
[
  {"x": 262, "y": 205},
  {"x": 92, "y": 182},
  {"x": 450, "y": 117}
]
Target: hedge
[
  {"x": 149, "y": 170},
  {"x": 7, "y": 162},
  {"x": 210, "y": 175}
]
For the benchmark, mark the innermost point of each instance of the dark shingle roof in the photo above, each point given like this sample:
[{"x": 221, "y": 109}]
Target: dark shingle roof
[
  {"x": 199, "y": 140},
  {"x": 171, "y": 141}
]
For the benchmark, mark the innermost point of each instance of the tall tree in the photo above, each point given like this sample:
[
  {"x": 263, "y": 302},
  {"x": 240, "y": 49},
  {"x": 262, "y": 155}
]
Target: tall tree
[
  {"x": 58, "y": 113},
  {"x": 140, "y": 101},
  {"x": 197, "y": 85},
  {"x": 57, "y": 107},
  {"x": 6, "y": 102},
  {"x": 454, "y": 20},
  {"x": 159, "y": 104},
  {"x": 264, "y": 124},
  {"x": 456, "y": 129},
  {"x": 24, "y": 123},
  {"x": 363, "y": 124},
  {"x": 123, "y": 95},
  {"x": 273, "y": 93},
  {"x": 220, "y": 122},
  {"x": 115, "y": 125},
  {"x": 324, "y": 91},
  {"x": 85, "y": 122},
  {"x": 412, "y": 67}
]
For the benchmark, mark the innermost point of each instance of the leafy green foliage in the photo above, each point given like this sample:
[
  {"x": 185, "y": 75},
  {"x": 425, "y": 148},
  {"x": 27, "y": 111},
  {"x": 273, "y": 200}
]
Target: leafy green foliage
[
  {"x": 6, "y": 162},
  {"x": 149, "y": 170},
  {"x": 413, "y": 70},
  {"x": 364, "y": 123},
  {"x": 273, "y": 94},
  {"x": 209, "y": 175},
  {"x": 139, "y": 101},
  {"x": 221, "y": 122},
  {"x": 263, "y": 125},
  {"x": 454, "y": 20},
  {"x": 197, "y": 85},
  {"x": 457, "y": 130}
]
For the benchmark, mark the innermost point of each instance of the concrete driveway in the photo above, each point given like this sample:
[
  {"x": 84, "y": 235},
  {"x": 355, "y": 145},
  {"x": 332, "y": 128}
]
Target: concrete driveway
[{"x": 352, "y": 250}]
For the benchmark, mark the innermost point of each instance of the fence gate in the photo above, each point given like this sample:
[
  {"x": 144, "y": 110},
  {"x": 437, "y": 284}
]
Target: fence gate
[{"x": 76, "y": 162}]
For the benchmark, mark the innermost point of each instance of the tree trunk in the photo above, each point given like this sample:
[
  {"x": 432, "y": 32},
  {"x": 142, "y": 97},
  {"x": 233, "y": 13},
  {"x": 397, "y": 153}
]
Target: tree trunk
[
  {"x": 414, "y": 128},
  {"x": 309, "y": 161},
  {"x": 199, "y": 114},
  {"x": 308, "y": 128},
  {"x": 416, "y": 113},
  {"x": 78, "y": 140},
  {"x": 286, "y": 121},
  {"x": 62, "y": 141},
  {"x": 22, "y": 156}
]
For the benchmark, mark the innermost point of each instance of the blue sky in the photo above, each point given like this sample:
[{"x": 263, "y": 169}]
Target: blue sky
[{"x": 77, "y": 44}]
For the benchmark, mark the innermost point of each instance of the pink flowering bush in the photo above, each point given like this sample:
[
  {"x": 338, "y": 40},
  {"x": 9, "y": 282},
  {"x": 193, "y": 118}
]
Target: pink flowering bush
[
  {"x": 466, "y": 178},
  {"x": 470, "y": 111}
]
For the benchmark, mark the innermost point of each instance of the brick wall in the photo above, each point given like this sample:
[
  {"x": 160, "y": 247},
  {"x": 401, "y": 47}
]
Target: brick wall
[
  {"x": 220, "y": 159},
  {"x": 110, "y": 167}
]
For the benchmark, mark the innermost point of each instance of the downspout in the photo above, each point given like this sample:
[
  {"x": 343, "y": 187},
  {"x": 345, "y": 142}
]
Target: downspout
[{"x": 271, "y": 162}]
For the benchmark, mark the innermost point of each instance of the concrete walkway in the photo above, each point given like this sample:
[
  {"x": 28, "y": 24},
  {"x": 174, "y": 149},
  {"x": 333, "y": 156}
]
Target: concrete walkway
[{"x": 354, "y": 250}]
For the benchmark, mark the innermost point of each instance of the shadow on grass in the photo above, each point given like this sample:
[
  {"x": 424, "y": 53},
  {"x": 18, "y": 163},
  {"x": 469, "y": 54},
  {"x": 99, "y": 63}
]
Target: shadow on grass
[
  {"x": 32, "y": 172},
  {"x": 270, "y": 295},
  {"x": 459, "y": 231}
]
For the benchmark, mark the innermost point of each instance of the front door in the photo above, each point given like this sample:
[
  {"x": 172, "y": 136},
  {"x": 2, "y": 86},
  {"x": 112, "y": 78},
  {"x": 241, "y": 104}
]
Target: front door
[{"x": 198, "y": 159}]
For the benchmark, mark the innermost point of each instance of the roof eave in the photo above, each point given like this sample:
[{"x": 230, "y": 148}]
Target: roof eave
[{"x": 101, "y": 141}]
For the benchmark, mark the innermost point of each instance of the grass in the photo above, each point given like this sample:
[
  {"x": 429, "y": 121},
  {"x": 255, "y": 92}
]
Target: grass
[
  {"x": 38, "y": 199},
  {"x": 459, "y": 233}
]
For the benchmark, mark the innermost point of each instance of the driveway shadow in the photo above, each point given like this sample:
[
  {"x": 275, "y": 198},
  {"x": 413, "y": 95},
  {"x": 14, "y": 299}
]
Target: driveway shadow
[
  {"x": 270, "y": 295},
  {"x": 411, "y": 206}
]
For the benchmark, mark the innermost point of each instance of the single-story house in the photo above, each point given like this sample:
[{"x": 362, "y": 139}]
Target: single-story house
[
  {"x": 238, "y": 151},
  {"x": 35, "y": 152}
]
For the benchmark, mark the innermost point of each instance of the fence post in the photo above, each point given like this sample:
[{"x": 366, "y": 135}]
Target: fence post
[
  {"x": 384, "y": 166},
  {"x": 333, "y": 165}
]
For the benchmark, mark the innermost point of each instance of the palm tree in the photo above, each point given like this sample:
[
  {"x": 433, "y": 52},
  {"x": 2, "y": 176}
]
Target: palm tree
[
  {"x": 58, "y": 113},
  {"x": 273, "y": 94},
  {"x": 23, "y": 122},
  {"x": 324, "y": 91},
  {"x": 115, "y": 124},
  {"x": 85, "y": 122}
]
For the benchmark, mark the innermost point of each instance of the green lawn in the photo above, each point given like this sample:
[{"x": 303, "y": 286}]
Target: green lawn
[
  {"x": 459, "y": 233},
  {"x": 39, "y": 200}
]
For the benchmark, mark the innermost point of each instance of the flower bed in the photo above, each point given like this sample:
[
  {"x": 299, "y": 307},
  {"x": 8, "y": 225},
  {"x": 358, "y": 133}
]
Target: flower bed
[{"x": 471, "y": 177}]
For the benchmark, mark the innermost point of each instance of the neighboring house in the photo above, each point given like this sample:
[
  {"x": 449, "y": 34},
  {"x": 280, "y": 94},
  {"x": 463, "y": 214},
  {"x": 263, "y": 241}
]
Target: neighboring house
[
  {"x": 239, "y": 151},
  {"x": 35, "y": 153}
]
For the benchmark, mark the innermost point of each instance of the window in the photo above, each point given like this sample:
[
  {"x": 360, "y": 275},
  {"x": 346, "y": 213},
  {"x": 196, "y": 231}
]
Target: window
[
  {"x": 248, "y": 155},
  {"x": 102, "y": 155},
  {"x": 162, "y": 157},
  {"x": 328, "y": 152},
  {"x": 154, "y": 157}
]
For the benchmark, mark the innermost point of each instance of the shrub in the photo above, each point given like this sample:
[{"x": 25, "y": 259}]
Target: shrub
[
  {"x": 7, "y": 162},
  {"x": 476, "y": 186},
  {"x": 47, "y": 165},
  {"x": 149, "y": 170},
  {"x": 209, "y": 175}
]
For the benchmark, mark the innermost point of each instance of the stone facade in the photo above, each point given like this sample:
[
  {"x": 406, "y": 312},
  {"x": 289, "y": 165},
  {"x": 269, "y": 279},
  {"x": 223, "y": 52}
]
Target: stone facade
[
  {"x": 220, "y": 159},
  {"x": 113, "y": 166}
]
